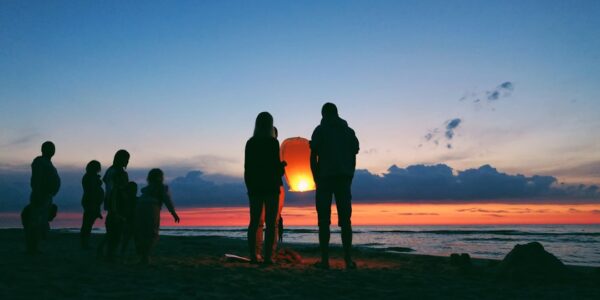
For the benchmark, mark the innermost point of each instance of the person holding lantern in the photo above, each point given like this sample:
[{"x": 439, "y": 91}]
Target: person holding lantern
[
  {"x": 333, "y": 161},
  {"x": 279, "y": 222},
  {"x": 263, "y": 170}
]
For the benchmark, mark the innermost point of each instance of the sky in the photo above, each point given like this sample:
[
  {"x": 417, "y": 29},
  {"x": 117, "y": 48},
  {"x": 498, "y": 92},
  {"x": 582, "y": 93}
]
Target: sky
[{"x": 509, "y": 84}]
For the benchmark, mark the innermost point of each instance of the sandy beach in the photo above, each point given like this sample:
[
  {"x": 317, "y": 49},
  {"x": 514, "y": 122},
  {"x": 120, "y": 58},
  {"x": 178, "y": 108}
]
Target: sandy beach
[{"x": 195, "y": 268}]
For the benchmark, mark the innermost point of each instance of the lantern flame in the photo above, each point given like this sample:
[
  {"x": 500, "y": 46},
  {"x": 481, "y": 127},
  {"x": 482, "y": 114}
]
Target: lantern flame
[
  {"x": 296, "y": 152},
  {"x": 302, "y": 185}
]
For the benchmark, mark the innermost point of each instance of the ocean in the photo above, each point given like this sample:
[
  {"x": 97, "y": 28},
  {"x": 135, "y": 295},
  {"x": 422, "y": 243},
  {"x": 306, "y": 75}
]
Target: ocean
[{"x": 573, "y": 244}]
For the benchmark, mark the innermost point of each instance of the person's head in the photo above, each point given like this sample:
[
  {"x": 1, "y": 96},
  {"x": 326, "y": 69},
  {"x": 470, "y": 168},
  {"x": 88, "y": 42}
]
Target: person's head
[
  {"x": 121, "y": 159},
  {"x": 93, "y": 167},
  {"x": 329, "y": 110},
  {"x": 264, "y": 124},
  {"x": 155, "y": 176},
  {"x": 275, "y": 132},
  {"x": 48, "y": 149},
  {"x": 132, "y": 188}
]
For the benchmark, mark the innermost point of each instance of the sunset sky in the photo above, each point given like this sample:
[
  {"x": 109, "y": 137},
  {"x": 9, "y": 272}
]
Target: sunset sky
[{"x": 512, "y": 84}]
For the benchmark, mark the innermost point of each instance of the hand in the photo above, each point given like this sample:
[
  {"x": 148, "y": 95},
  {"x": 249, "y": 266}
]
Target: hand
[
  {"x": 284, "y": 163},
  {"x": 176, "y": 217}
]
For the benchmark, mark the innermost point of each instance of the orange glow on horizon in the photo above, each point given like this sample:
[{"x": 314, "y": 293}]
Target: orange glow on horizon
[
  {"x": 296, "y": 152},
  {"x": 408, "y": 214},
  {"x": 374, "y": 214}
]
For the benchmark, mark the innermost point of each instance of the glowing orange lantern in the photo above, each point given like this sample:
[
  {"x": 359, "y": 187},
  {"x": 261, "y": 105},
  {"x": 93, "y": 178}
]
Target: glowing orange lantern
[{"x": 296, "y": 152}]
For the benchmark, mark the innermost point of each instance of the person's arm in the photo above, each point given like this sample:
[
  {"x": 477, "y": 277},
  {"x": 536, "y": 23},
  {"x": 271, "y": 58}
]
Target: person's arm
[
  {"x": 100, "y": 191},
  {"x": 280, "y": 165},
  {"x": 314, "y": 156},
  {"x": 355, "y": 144},
  {"x": 167, "y": 200},
  {"x": 55, "y": 181},
  {"x": 248, "y": 165},
  {"x": 119, "y": 192}
]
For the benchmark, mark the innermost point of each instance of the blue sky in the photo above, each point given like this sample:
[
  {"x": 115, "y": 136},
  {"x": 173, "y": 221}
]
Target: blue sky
[{"x": 179, "y": 83}]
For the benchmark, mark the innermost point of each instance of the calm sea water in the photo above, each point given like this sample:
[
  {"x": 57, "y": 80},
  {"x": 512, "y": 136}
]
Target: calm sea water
[{"x": 573, "y": 244}]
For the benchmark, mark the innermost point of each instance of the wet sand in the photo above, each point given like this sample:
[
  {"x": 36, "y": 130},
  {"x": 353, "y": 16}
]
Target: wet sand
[{"x": 194, "y": 268}]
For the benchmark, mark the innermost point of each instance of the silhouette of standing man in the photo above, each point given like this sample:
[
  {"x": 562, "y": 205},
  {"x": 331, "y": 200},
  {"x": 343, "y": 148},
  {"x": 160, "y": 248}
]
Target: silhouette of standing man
[
  {"x": 45, "y": 183},
  {"x": 332, "y": 161}
]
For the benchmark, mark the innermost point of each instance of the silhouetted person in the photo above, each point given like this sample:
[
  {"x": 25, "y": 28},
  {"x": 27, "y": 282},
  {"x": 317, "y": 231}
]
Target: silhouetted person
[
  {"x": 115, "y": 180},
  {"x": 45, "y": 183},
  {"x": 147, "y": 214},
  {"x": 128, "y": 213},
  {"x": 333, "y": 160},
  {"x": 279, "y": 228},
  {"x": 115, "y": 216},
  {"x": 93, "y": 196},
  {"x": 119, "y": 165},
  {"x": 262, "y": 174}
]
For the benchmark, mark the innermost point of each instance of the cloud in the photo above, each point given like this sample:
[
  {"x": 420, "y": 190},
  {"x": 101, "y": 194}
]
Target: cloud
[
  {"x": 495, "y": 215},
  {"x": 518, "y": 210},
  {"x": 480, "y": 210},
  {"x": 503, "y": 90},
  {"x": 413, "y": 184},
  {"x": 193, "y": 189},
  {"x": 592, "y": 211},
  {"x": 22, "y": 140},
  {"x": 418, "y": 183},
  {"x": 589, "y": 169},
  {"x": 370, "y": 151},
  {"x": 450, "y": 126}
]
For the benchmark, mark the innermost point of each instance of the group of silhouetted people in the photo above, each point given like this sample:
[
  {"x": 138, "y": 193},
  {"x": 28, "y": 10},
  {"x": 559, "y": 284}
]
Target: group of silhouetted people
[
  {"x": 127, "y": 215},
  {"x": 333, "y": 146}
]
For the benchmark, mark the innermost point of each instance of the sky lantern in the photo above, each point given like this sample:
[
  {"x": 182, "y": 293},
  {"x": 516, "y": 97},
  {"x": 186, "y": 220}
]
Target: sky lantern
[{"x": 296, "y": 152}]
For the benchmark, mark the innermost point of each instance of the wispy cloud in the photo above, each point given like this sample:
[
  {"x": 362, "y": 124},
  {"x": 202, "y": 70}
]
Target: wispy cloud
[
  {"x": 20, "y": 141},
  {"x": 449, "y": 131},
  {"x": 503, "y": 90}
]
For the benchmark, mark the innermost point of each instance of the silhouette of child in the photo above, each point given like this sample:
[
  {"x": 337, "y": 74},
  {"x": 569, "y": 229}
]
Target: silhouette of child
[{"x": 147, "y": 214}]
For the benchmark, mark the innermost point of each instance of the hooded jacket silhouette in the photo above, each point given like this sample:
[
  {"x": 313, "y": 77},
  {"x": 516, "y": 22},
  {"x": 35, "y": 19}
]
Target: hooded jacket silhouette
[{"x": 336, "y": 145}]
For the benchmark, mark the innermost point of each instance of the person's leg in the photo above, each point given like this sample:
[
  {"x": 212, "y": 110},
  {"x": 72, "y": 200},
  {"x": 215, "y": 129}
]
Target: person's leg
[
  {"x": 343, "y": 201},
  {"x": 323, "y": 204},
  {"x": 256, "y": 204},
  {"x": 271, "y": 209},
  {"x": 278, "y": 228},
  {"x": 127, "y": 235},
  {"x": 86, "y": 228},
  {"x": 103, "y": 245},
  {"x": 114, "y": 231},
  {"x": 260, "y": 233},
  {"x": 27, "y": 222},
  {"x": 37, "y": 220}
]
